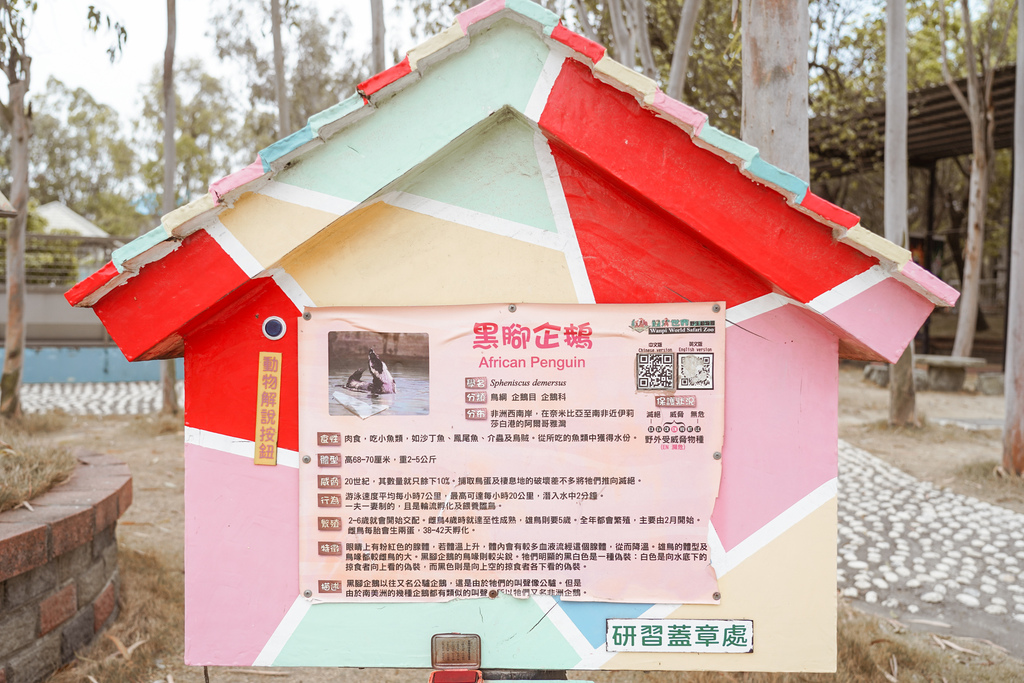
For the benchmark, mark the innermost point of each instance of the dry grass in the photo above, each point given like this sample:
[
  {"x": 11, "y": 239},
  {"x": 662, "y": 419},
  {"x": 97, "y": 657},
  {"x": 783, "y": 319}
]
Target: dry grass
[
  {"x": 1000, "y": 486},
  {"x": 29, "y": 467},
  {"x": 40, "y": 423},
  {"x": 149, "y": 626},
  {"x": 157, "y": 424}
]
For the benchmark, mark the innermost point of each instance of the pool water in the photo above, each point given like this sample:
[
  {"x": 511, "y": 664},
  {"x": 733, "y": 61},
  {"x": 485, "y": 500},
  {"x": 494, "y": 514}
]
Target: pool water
[{"x": 412, "y": 395}]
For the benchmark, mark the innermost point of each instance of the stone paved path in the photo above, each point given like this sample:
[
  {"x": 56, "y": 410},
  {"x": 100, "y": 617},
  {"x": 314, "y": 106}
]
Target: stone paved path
[
  {"x": 906, "y": 548},
  {"x": 923, "y": 553},
  {"x": 96, "y": 398}
]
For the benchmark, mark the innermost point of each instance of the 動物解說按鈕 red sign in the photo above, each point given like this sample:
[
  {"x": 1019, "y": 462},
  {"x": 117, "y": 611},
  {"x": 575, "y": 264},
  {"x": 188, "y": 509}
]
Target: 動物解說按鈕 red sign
[{"x": 569, "y": 450}]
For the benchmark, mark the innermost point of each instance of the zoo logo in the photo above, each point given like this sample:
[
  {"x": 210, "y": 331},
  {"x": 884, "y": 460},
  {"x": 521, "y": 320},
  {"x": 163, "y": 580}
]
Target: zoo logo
[{"x": 639, "y": 325}]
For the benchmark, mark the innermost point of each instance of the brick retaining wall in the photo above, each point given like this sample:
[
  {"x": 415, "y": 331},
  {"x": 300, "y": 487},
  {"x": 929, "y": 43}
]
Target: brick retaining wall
[{"x": 58, "y": 569}]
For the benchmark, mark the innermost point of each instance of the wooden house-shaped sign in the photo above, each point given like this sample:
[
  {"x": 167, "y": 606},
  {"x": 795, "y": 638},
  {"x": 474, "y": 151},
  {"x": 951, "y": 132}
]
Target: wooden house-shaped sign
[{"x": 508, "y": 160}]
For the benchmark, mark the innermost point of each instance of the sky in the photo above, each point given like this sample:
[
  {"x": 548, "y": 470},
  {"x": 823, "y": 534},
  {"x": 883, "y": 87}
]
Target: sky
[{"x": 61, "y": 45}]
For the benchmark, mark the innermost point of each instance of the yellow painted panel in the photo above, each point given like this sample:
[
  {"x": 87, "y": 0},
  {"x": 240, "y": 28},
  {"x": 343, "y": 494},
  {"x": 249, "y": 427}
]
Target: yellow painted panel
[
  {"x": 270, "y": 228},
  {"x": 864, "y": 240},
  {"x": 175, "y": 219},
  {"x": 622, "y": 77},
  {"x": 435, "y": 44},
  {"x": 386, "y": 256},
  {"x": 789, "y": 589}
]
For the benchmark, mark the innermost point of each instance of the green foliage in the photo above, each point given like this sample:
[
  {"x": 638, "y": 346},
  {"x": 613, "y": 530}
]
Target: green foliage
[
  {"x": 79, "y": 155},
  {"x": 97, "y": 19},
  {"x": 206, "y": 131},
  {"x": 320, "y": 69}
]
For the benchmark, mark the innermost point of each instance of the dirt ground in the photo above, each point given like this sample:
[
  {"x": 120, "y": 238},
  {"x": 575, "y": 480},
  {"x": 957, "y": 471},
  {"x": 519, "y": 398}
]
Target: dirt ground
[
  {"x": 947, "y": 455},
  {"x": 154, "y": 523}
]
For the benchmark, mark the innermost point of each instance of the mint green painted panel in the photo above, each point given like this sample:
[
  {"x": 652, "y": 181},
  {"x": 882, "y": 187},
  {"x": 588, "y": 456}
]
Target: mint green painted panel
[
  {"x": 500, "y": 67},
  {"x": 137, "y": 246},
  {"x": 494, "y": 171},
  {"x": 514, "y": 634},
  {"x": 287, "y": 145},
  {"x": 727, "y": 143},
  {"x": 331, "y": 114},
  {"x": 776, "y": 176},
  {"x": 531, "y": 9}
]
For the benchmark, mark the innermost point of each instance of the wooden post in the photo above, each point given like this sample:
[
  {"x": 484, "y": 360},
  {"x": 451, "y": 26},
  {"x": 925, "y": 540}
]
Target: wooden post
[
  {"x": 1013, "y": 369},
  {"x": 776, "y": 36},
  {"x": 284, "y": 121},
  {"x": 14, "y": 342},
  {"x": 377, "y": 46},
  {"x": 167, "y": 369},
  {"x": 902, "y": 399},
  {"x": 929, "y": 251}
]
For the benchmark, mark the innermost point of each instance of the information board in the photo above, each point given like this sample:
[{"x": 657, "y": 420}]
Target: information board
[{"x": 467, "y": 451}]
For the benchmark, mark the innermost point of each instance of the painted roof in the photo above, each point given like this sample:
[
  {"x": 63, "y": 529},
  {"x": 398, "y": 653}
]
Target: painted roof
[{"x": 599, "y": 118}]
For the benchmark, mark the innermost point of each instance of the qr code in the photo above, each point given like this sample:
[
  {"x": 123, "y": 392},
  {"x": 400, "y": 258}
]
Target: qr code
[
  {"x": 696, "y": 371},
  {"x": 655, "y": 370}
]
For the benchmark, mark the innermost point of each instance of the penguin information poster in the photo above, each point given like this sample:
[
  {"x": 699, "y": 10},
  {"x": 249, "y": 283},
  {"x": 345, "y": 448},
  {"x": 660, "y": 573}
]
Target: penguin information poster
[{"x": 467, "y": 451}]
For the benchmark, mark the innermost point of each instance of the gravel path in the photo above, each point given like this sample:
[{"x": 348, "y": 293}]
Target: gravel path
[
  {"x": 96, "y": 398},
  {"x": 925, "y": 554},
  {"x": 906, "y": 549}
]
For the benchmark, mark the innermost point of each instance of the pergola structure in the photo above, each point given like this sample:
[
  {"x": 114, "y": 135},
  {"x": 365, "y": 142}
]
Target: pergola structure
[{"x": 938, "y": 129}]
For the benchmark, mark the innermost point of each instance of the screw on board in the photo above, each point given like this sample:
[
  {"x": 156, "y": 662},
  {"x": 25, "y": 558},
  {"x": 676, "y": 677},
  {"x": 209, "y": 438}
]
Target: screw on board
[
  {"x": 307, "y": 315},
  {"x": 718, "y": 455},
  {"x": 511, "y": 308},
  {"x": 716, "y": 596},
  {"x": 306, "y": 459},
  {"x": 716, "y": 308},
  {"x": 307, "y": 593}
]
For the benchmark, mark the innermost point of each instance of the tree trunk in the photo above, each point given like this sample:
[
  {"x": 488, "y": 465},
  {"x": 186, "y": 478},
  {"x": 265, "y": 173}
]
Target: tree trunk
[
  {"x": 377, "y": 18},
  {"x": 14, "y": 344},
  {"x": 776, "y": 36},
  {"x": 585, "y": 25},
  {"x": 643, "y": 39},
  {"x": 170, "y": 112},
  {"x": 620, "y": 35},
  {"x": 681, "y": 52},
  {"x": 902, "y": 399},
  {"x": 284, "y": 119},
  {"x": 970, "y": 287},
  {"x": 1013, "y": 369},
  {"x": 167, "y": 369}
]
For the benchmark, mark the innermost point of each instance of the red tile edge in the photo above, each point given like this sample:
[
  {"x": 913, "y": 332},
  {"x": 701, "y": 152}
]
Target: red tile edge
[
  {"x": 385, "y": 78},
  {"x": 829, "y": 211},
  {"x": 586, "y": 47},
  {"x": 80, "y": 291}
]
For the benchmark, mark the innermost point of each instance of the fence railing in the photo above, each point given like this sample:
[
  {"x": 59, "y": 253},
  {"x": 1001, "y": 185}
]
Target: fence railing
[{"x": 60, "y": 260}]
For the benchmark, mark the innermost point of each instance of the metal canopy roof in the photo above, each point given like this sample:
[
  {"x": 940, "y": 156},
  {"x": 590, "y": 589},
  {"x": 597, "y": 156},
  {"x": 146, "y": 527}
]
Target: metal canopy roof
[{"x": 938, "y": 128}]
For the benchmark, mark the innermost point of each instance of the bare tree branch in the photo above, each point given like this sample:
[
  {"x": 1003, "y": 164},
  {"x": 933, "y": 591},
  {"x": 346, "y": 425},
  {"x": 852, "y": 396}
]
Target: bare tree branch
[
  {"x": 643, "y": 39},
  {"x": 584, "y": 19},
  {"x": 946, "y": 75},
  {"x": 681, "y": 52},
  {"x": 971, "y": 57},
  {"x": 620, "y": 34}
]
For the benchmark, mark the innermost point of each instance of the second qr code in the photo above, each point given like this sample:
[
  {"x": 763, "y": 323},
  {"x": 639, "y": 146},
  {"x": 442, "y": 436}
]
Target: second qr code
[{"x": 696, "y": 371}]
